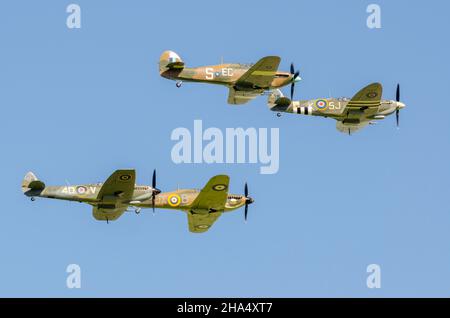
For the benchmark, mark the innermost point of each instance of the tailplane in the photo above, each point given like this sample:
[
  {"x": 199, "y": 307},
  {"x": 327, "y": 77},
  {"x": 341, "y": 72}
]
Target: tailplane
[
  {"x": 277, "y": 102},
  {"x": 31, "y": 183}
]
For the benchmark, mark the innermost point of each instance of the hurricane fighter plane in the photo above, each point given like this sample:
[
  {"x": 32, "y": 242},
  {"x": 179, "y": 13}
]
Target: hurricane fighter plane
[
  {"x": 244, "y": 81},
  {"x": 119, "y": 193},
  {"x": 365, "y": 108}
]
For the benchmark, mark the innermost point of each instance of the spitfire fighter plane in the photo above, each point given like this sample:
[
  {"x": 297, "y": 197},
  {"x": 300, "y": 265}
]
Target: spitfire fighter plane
[
  {"x": 245, "y": 81},
  {"x": 363, "y": 109},
  {"x": 115, "y": 196}
]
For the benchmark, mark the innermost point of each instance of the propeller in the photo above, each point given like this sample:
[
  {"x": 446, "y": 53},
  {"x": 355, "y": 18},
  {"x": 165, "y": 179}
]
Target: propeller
[
  {"x": 397, "y": 112},
  {"x": 155, "y": 190},
  {"x": 294, "y": 74},
  {"x": 248, "y": 201}
]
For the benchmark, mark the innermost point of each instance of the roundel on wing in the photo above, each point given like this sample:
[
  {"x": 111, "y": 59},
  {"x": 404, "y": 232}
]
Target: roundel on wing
[
  {"x": 219, "y": 187},
  {"x": 125, "y": 177}
]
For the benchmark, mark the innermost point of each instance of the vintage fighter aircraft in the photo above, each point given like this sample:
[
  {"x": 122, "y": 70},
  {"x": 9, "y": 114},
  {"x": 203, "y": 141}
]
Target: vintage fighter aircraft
[
  {"x": 112, "y": 198},
  {"x": 245, "y": 81},
  {"x": 351, "y": 114}
]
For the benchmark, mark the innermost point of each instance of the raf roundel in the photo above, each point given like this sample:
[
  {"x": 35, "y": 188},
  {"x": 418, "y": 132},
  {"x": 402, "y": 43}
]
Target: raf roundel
[
  {"x": 321, "y": 104},
  {"x": 125, "y": 177},
  {"x": 219, "y": 187},
  {"x": 81, "y": 190},
  {"x": 174, "y": 200},
  {"x": 372, "y": 94}
]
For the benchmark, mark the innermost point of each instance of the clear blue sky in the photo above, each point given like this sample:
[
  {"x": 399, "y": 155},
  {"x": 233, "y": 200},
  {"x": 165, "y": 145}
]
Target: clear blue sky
[{"x": 78, "y": 104}]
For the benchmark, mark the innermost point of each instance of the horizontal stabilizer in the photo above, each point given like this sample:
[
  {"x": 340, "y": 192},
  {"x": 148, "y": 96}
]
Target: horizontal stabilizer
[
  {"x": 31, "y": 182},
  {"x": 175, "y": 65},
  {"x": 170, "y": 60},
  {"x": 277, "y": 102}
]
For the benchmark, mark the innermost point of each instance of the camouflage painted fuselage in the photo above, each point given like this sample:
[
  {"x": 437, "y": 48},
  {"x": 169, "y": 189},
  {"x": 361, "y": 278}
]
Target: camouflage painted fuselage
[
  {"x": 223, "y": 74},
  {"x": 182, "y": 200},
  {"x": 119, "y": 192},
  {"x": 337, "y": 108},
  {"x": 88, "y": 193},
  {"x": 351, "y": 114}
]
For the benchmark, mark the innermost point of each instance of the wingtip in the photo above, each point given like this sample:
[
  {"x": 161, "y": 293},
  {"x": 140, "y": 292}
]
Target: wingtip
[
  {"x": 272, "y": 57},
  {"x": 223, "y": 176}
]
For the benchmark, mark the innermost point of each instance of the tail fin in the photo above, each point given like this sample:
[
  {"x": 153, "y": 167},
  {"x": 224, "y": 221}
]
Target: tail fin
[
  {"x": 277, "y": 102},
  {"x": 170, "y": 60},
  {"x": 31, "y": 182}
]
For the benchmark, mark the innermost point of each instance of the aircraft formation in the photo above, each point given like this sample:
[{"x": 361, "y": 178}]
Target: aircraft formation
[
  {"x": 120, "y": 194},
  {"x": 245, "y": 82}
]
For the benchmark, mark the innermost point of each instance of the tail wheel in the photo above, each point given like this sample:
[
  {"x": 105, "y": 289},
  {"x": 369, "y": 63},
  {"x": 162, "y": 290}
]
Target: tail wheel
[{"x": 178, "y": 84}]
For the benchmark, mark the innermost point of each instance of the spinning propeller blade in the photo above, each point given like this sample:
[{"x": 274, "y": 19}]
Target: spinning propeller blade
[
  {"x": 295, "y": 75},
  {"x": 397, "y": 112},
  {"x": 248, "y": 201},
  {"x": 155, "y": 190}
]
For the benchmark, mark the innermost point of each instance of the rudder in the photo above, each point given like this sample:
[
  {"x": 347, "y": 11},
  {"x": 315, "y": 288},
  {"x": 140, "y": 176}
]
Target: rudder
[
  {"x": 170, "y": 60},
  {"x": 31, "y": 182}
]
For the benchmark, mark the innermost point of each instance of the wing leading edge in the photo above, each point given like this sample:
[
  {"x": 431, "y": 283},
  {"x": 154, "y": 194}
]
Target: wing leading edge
[
  {"x": 114, "y": 195},
  {"x": 368, "y": 97},
  {"x": 261, "y": 74},
  {"x": 364, "y": 104},
  {"x": 253, "y": 82},
  {"x": 209, "y": 204}
]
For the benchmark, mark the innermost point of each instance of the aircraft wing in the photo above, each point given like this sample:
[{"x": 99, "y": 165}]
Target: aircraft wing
[
  {"x": 119, "y": 185},
  {"x": 242, "y": 97},
  {"x": 113, "y": 197},
  {"x": 213, "y": 196},
  {"x": 199, "y": 223},
  {"x": 108, "y": 214},
  {"x": 351, "y": 128},
  {"x": 363, "y": 105},
  {"x": 209, "y": 204},
  {"x": 260, "y": 74},
  {"x": 367, "y": 98}
]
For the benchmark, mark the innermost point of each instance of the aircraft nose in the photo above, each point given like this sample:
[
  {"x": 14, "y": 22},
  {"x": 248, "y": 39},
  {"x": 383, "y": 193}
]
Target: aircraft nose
[
  {"x": 401, "y": 105},
  {"x": 298, "y": 79}
]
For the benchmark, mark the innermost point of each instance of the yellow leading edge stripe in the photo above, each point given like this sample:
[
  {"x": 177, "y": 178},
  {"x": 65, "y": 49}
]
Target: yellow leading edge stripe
[{"x": 264, "y": 73}]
